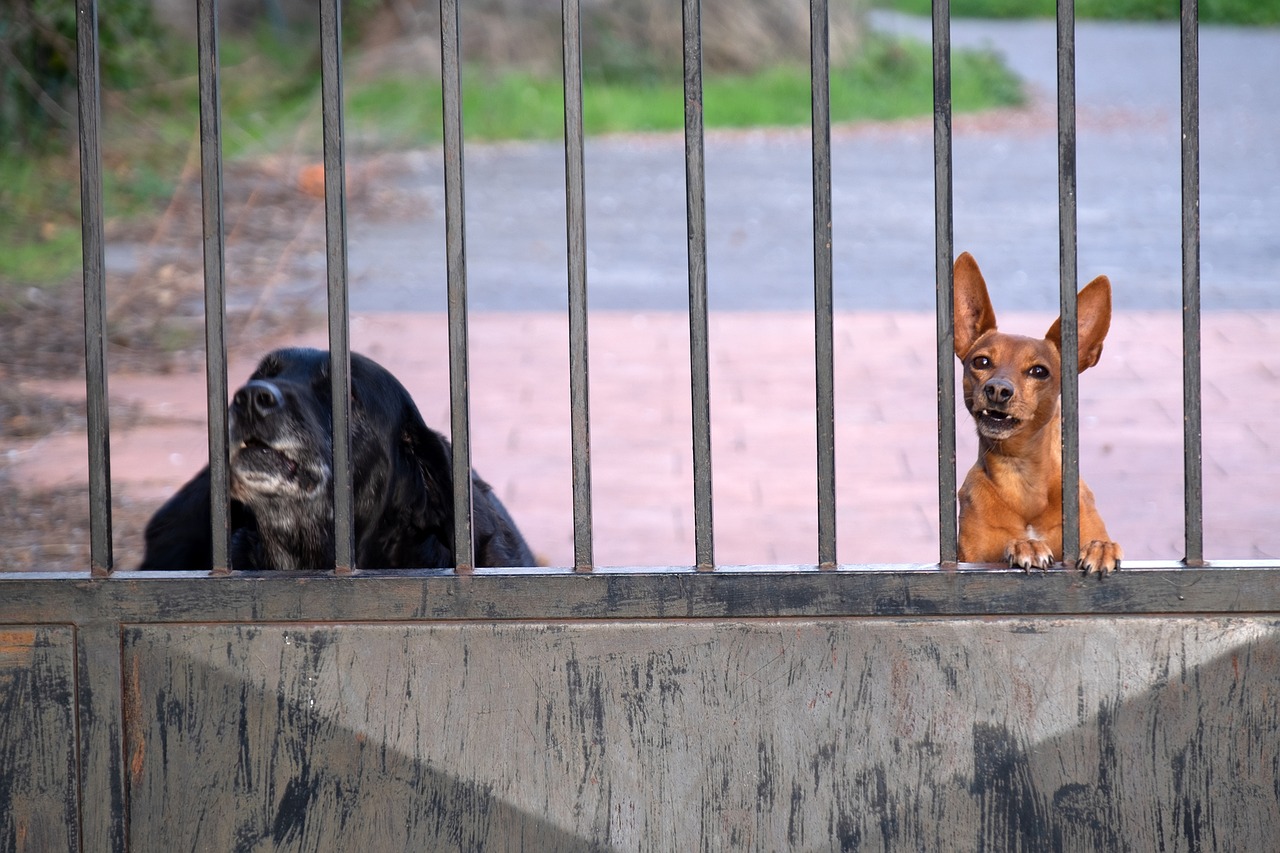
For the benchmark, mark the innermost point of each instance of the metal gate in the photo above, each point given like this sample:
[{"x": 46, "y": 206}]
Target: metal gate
[{"x": 658, "y": 708}]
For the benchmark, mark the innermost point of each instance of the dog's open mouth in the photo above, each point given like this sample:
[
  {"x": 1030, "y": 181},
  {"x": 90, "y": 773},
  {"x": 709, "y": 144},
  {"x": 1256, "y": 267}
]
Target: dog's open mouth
[
  {"x": 254, "y": 457},
  {"x": 260, "y": 470},
  {"x": 994, "y": 423}
]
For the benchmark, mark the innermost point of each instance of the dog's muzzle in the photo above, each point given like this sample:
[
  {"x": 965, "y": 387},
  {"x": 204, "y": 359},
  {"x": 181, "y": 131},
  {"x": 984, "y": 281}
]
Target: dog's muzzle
[{"x": 267, "y": 454}]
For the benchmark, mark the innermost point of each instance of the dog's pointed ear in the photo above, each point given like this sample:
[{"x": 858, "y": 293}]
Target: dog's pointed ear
[
  {"x": 1093, "y": 320},
  {"x": 974, "y": 316}
]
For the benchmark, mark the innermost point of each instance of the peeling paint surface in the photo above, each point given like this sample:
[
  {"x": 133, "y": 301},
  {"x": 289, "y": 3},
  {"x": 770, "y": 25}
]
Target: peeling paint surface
[
  {"x": 859, "y": 734},
  {"x": 37, "y": 740}
]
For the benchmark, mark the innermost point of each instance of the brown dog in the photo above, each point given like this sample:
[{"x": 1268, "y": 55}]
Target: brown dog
[{"x": 1011, "y": 501}]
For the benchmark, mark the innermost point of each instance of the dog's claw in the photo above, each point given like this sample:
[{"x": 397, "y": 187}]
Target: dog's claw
[
  {"x": 1028, "y": 554},
  {"x": 1100, "y": 557}
]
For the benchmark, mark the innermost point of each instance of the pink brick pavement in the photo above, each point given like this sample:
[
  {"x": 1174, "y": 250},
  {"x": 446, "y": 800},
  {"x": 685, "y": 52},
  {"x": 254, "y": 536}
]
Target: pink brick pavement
[{"x": 762, "y": 387}]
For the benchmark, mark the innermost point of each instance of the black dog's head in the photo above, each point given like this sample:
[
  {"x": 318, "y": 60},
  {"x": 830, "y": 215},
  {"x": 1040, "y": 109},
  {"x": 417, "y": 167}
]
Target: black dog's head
[
  {"x": 281, "y": 430},
  {"x": 281, "y": 480},
  {"x": 281, "y": 459}
]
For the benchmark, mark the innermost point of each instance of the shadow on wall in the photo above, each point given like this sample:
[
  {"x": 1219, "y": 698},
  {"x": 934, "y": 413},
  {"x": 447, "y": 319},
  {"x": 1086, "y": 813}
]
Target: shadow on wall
[
  {"x": 1020, "y": 735},
  {"x": 221, "y": 763}
]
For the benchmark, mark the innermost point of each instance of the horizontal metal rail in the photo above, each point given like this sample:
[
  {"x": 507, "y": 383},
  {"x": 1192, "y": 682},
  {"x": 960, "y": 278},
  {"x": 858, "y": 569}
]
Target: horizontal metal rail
[{"x": 746, "y": 592}]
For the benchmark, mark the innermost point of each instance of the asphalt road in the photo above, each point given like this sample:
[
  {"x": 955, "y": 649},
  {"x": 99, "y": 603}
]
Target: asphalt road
[{"x": 760, "y": 251}]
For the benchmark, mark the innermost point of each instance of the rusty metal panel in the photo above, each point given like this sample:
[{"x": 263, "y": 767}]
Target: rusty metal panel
[
  {"x": 37, "y": 739},
  {"x": 792, "y": 734}
]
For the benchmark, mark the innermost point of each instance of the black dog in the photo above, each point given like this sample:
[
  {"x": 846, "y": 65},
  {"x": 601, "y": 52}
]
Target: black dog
[{"x": 281, "y": 460}]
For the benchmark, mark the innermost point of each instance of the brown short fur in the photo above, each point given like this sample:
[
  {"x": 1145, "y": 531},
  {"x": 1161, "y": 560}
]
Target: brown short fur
[{"x": 1011, "y": 500}]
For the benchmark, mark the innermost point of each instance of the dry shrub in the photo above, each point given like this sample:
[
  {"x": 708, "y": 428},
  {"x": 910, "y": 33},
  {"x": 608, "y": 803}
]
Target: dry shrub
[
  {"x": 737, "y": 35},
  {"x": 625, "y": 39}
]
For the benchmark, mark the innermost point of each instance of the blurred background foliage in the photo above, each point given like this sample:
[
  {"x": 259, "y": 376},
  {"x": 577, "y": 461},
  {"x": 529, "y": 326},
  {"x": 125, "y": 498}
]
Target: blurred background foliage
[
  {"x": 755, "y": 59},
  {"x": 38, "y": 62}
]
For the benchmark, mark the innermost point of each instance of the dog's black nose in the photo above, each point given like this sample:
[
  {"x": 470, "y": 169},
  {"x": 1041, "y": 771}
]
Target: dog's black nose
[
  {"x": 998, "y": 390},
  {"x": 259, "y": 397}
]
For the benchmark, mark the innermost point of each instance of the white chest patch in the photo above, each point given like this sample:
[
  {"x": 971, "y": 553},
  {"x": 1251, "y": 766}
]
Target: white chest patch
[{"x": 1032, "y": 534}]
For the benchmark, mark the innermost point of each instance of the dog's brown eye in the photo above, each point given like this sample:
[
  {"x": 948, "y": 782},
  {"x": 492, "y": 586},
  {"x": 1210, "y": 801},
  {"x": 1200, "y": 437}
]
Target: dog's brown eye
[
  {"x": 981, "y": 362},
  {"x": 1039, "y": 372}
]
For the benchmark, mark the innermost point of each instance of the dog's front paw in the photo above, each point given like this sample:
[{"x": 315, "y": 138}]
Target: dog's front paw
[
  {"x": 1100, "y": 557},
  {"x": 1028, "y": 554}
]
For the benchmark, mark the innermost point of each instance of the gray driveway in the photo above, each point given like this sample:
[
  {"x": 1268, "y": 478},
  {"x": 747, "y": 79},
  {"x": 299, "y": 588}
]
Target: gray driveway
[{"x": 1006, "y": 210}]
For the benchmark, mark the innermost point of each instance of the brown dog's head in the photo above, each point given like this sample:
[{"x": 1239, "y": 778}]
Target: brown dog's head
[{"x": 1011, "y": 382}]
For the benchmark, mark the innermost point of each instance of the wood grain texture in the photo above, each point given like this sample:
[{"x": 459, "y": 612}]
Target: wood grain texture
[
  {"x": 869, "y": 734},
  {"x": 37, "y": 740}
]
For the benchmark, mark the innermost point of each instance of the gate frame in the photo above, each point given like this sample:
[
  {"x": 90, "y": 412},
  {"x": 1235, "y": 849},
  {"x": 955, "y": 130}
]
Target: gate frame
[{"x": 100, "y": 604}]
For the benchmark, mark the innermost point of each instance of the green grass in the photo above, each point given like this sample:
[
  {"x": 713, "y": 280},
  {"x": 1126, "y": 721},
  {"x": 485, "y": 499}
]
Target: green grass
[
  {"x": 270, "y": 104},
  {"x": 50, "y": 257},
  {"x": 890, "y": 80},
  {"x": 39, "y": 233},
  {"x": 1211, "y": 11}
]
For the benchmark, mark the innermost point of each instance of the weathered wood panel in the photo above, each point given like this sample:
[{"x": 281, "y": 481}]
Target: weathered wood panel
[
  {"x": 37, "y": 740},
  {"x": 869, "y": 734}
]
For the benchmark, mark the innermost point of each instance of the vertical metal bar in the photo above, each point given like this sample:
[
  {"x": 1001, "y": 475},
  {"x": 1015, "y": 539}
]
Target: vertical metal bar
[
  {"x": 1193, "y": 488},
  {"x": 575, "y": 207},
  {"x": 100, "y": 737},
  {"x": 700, "y": 370},
  {"x": 214, "y": 279},
  {"x": 823, "y": 298},
  {"x": 95, "y": 287},
  {"x": 456, "y": 253},
  {"x": 335, "y": 217},
  {"x": 101, "y": 759},
  {"x": 1067, "y": 282},
  {"x": 943, "y": 213}
]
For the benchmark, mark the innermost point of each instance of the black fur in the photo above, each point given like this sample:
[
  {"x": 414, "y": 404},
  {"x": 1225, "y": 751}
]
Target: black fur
[{"x": 281, "y": 458}]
